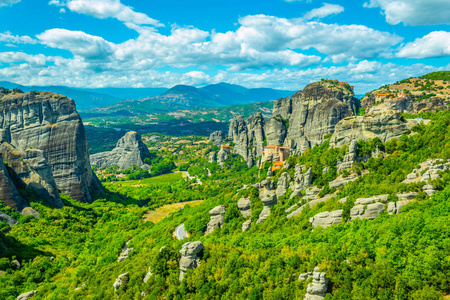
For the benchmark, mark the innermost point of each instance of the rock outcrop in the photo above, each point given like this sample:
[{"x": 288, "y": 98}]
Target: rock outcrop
[
  {"x": 301, "y": 181},
  {"x": 326, "y": 218},
  {"x": 384, "y": 124},
  {"x": 428, "y": 170},
  {"x": 317, "y": 289},
  {"x": 212, "y": 157},
  {"x": 8, "y": 191},
  {"x": 248, "y": 137},
  {"x": 129, "y": 151},
  {"x": 269, "y": 199},
  {"x": 49, "y": 122},
  {"x": 148, "y": 275},
  {"x": 395, "y": 207},
  {"x": 189, "y": 257},
  {"x": 9, "y": 220},
  {"x": 121, "y": 280},
  {"x": 34, "y": 171},
  {"x": 216, "y": 220},
  {"x": 217, "y": 137},
  {"x": 349, "y": 158},
  {"x": 314, "y": 112},
  {"x": 246, "y": 225},
  {"x": 244, "y": 207},
  {"x": 27, "y": 295},
  {"x": 125, "y": 252},
  {"x": 282, "y": 184},
  {"x": 275, "y": 130}
]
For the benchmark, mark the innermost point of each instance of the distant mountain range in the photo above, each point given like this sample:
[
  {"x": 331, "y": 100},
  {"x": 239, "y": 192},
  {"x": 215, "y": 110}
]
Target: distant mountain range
[
  {"x": 131, "y": 101},
  {"x": 189, "y": 97},
  {"x": 90, "y": 98}
]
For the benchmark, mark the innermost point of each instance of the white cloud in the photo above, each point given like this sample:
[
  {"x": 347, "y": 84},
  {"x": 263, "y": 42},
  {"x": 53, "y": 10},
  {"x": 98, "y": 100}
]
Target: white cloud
[
  {"x": 414, "y": 12},
  {"x": 8, "y": 2},
  {"x": 77, "y": 42},
  {"x": 324, "y": 11},
  {"x": 103, "y": 9},
  {"x": 16, "y": 39},
  {"x": 62, "y": 11},
  {"x": 434, "y": 44}
]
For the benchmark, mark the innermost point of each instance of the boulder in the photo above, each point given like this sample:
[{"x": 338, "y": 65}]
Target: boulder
[
  {"x": 269, "y": 199},
  {"x": 395, "y": 207},
  {"x": 244, "y": 207},
  {"x": 216, "y": 220},
  {"x": 217, "y": 137},
  {"x": 28, "y": 211},
  {"x": 189, "y": 257},
  {"x": 49, "y": 122},
  {"x": 374, "y": 199},
  {"x": 129, "y": 151},
  {"x": 26, "y": 295},
  {"x": 122, "y": 279},
  {"x": 342, "y": 181},
  {"x": 429, "y": 189}
]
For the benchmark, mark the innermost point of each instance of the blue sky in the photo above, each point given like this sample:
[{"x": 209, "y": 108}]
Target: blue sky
[{"x": 280, "y": 44}]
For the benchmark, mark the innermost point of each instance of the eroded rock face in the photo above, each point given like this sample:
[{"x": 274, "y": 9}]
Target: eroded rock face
[
  {"x": 275, "y": 131},
  {"x": 8, "y": 192},
  {"x": 244, "y": 207},
  {"x": 217, "y": 137},
  {"x": 129, "y": 151},
  {"x": 370, "y": 211},
  {"x": 384, "y": 124},
  {"x": 212, "y": 157},
  {"x": 326, "y": 218},
  {"x": 269, "y": 199},
  {"x": 248, "y": 137},
  {"x": 189, "y": 258},
  {"x": 31, "y": 167},
  {"x": 121, "y": 280},
  {"x": 317, "y": 289},
  {"x": 148, "y": 275},
  {"x": 395, "y": 207},
  {"x": 349, "y": 158},
  {"x": 246, "y": 225},
  {"x": 49, "y": 122},
  {"x": 301, "y": 181},
  {"x": 216, "y": 220},
  {"x": 282, "y": 184},
  {"x": 315, "y": 111}
]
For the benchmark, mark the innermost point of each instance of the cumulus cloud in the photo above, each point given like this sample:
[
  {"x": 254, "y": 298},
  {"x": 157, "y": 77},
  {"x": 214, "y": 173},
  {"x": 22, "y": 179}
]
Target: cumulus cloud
[
  {"x": 413, "y": 12},
  {"x": 434, "y": 44},
  {"x": 8, "y": 2},
  {"x": 77, "y": 42},
  {"x": 103, "y": 9},
  {"x": 324, "y": 11},
  {"x": 16, "y": 39}
]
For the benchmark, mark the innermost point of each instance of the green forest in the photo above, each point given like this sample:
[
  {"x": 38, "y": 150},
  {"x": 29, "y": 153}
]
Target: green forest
[{"x": 72, "y": 252}]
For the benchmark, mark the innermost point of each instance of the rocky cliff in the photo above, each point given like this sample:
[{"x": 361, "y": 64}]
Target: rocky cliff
[
  {"x": 129, "y": 151},
  {"x": 46, "y": 132},
  {"x": 299, "y": 122}
]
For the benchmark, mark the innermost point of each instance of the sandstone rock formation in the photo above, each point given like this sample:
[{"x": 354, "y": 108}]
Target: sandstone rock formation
[
  {"x": 248, "y": 137},
  {"x": 244, "y": 207},
  {"x": 212, "y": 157},
  {"x": 121, "y": 280},
  {"x": 28, "y": 211},
  {"x": 217, "y": 137},
  {"x": 349, "y": 158},
  {"x": 340, "y": 180},
  {"x": 34, "y": 171},
  {"x": 301, "y": 181},
  {"x": 282, "y": 184},
  {"x": 125, "y": 252},
  {"x": 216, "y": 220},
  {"x": 369, "y": 211},
  {"x": 269, "y": 199},
  {"x": 326, "y": 218},
  {"x": 317, "y": 289},
  {"x": 275, "y": 130},
  {"x": 382, "y": 124},
  {"x": 49, "y": 122},
  {"x": 428, "y": 170},
  {"x": 129, "y": 151},
  {"x": 189, "y": 257},
  {"x": 395, "y": 207},
  {"x": 26, "y": 295},
  {"x": 8, "y": 192}
]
